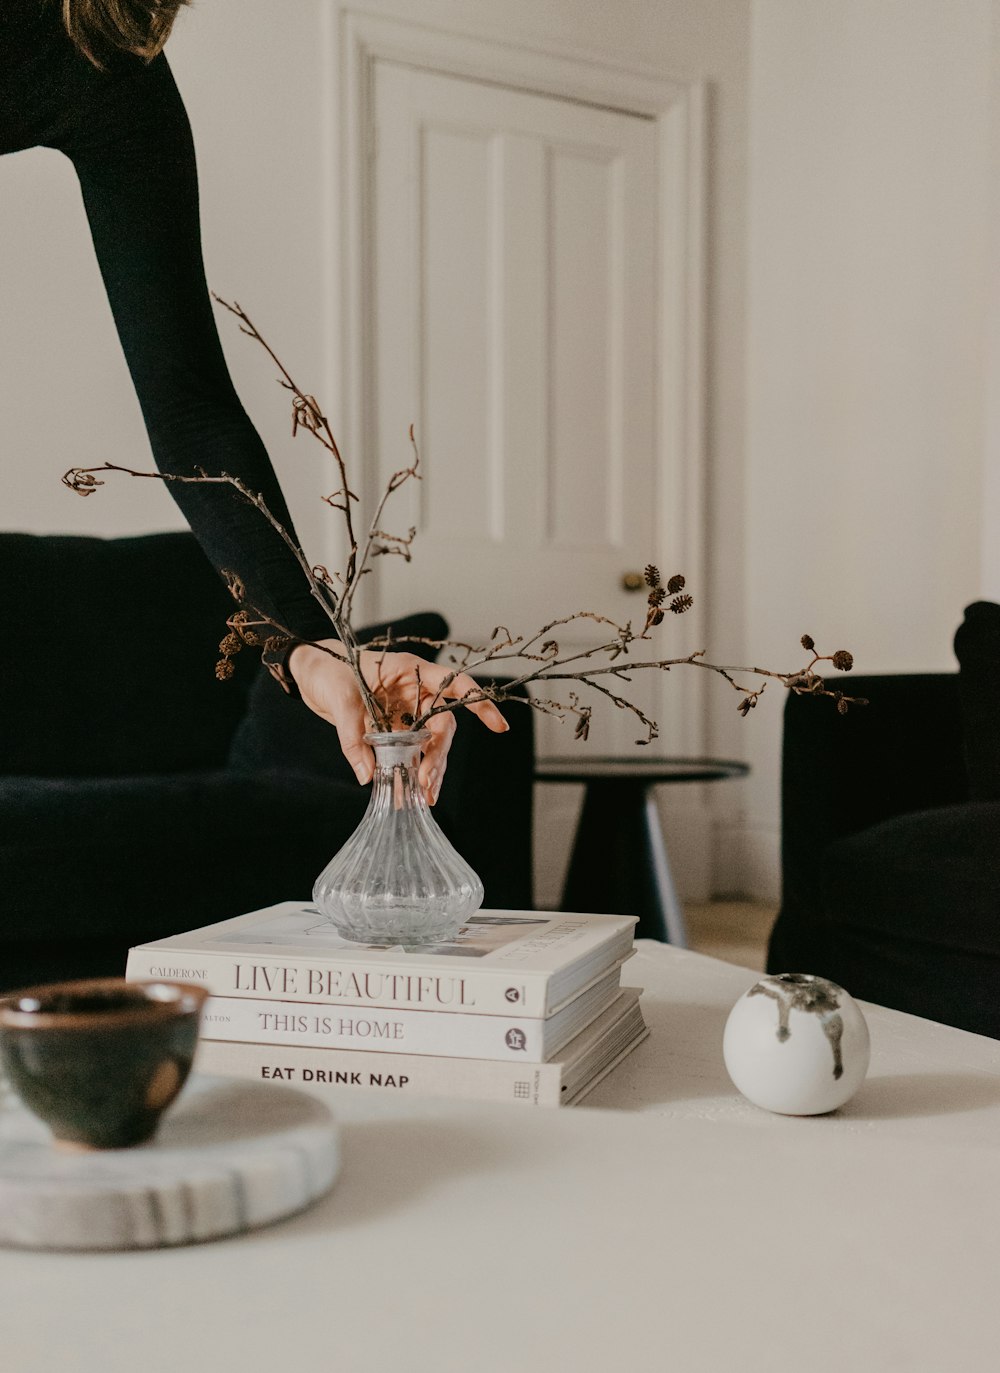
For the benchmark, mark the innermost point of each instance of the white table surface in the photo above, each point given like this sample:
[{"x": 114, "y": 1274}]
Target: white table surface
[{"x": 663, "y": 1224}]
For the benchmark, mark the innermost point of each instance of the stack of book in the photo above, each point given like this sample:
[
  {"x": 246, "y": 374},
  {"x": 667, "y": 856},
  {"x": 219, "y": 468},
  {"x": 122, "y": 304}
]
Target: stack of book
[{"x": 522, "y": 1006}]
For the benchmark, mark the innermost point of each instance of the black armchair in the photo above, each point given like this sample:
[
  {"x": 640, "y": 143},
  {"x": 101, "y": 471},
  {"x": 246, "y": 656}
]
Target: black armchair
[
  {"x": 140, "y": 797},
  {"x": 891, "y": 838}
]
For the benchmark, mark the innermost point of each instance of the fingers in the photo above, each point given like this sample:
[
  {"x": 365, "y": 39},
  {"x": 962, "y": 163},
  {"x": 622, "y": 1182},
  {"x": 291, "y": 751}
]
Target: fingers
[
  {"x": 329, "y": 690},
  {"x": 350, "y": 725},
  {"x": 463, "y": 685},
  {"x": 348, "y": 719},
  {"x": 403, "y": 671},
  {"x": 435, "y": 760}
]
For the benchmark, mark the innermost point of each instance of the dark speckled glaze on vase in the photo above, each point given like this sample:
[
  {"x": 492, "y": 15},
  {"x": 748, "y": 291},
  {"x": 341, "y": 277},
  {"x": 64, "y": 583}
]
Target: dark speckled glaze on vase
[{"x": 100, "y": 1061}]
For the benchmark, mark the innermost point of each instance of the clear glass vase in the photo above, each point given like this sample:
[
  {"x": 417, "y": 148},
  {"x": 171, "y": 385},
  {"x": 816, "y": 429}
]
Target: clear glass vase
[{"x": 397, "y": 880}]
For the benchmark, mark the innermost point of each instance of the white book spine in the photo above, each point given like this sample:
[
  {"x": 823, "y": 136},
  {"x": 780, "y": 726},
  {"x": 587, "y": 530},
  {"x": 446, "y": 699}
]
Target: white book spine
[
  {"x": 373, "y": 1029},
  {"x": 323, "y": 1072},
  {"x": 343, "y": 984}
]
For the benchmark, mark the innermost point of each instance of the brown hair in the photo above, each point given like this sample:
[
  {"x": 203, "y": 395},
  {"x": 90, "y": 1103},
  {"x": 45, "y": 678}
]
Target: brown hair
[{"x": 99, "y": 27}]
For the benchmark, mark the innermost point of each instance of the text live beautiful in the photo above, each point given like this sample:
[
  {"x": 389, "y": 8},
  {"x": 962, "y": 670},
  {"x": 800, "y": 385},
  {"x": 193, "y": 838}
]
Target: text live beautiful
[{"x": 337, "y": 984}]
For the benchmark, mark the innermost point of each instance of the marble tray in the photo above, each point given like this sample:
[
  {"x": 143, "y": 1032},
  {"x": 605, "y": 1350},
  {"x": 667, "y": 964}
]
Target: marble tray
[{"x": 229, "y": 1156}]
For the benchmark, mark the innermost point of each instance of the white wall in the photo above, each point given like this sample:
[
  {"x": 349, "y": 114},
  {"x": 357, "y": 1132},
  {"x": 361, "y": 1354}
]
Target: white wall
[
  {"x": 65, "y": 395},
  {"x": 867, "y": 282}
]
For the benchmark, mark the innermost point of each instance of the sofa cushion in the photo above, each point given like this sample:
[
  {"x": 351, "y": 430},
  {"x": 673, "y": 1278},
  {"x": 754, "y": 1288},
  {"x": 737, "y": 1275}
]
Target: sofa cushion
[
  {"x": 977, "y": 648},
  {"x": 932, "y": 876},
  {"x": 907, "y": 914},
  {"x": 102, "y": 680},
  {"x": 139, "y": 858}
]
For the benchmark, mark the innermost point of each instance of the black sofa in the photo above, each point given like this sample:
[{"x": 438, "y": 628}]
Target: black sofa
[
  {"x": 139, "y": 796},
  {"x": 891, "y": 837}
]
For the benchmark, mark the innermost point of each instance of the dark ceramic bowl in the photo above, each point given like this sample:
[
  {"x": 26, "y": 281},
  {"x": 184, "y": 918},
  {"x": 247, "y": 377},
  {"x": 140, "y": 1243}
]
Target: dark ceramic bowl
[{"x": 100, "y": 1061}]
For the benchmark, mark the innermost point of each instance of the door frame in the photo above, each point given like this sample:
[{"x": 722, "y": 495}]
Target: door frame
[{"x": 678, "y": 108}]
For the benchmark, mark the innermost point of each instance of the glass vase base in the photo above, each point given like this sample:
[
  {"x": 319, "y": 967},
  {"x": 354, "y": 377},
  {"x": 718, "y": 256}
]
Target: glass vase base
[{"x": 410, "y": 928}]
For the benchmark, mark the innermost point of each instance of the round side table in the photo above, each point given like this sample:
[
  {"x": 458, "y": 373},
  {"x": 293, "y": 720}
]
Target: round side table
[{"x": 619, "y": 863}]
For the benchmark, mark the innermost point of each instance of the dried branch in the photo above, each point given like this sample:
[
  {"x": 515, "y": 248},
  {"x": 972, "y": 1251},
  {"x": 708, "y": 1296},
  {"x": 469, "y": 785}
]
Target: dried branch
[
  {"x": 802, "y": 681},
  {"x": 539, "y": 656}
]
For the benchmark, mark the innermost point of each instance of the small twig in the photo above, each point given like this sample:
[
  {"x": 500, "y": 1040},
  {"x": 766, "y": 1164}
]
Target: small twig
[{"x": 395, "y": 482}]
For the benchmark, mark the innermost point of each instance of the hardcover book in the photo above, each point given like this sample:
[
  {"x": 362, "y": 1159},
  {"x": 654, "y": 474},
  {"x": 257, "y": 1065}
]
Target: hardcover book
[
  {"x": 527, "y": 962},
  {"x": 563, "y": 1081},
  {"x": 380, "y": 1030}
]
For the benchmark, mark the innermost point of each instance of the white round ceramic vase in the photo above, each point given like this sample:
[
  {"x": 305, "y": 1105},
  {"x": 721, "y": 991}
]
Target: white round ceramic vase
[{"x": 796, "y": 1044}]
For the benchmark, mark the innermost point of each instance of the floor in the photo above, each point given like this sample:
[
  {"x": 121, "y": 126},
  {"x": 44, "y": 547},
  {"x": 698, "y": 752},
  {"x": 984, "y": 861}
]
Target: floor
[{"x": 735, "y": 931}]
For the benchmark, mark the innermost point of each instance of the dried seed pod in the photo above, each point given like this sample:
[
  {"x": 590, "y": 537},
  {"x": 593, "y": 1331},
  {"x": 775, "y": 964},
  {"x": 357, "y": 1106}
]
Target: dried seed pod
[
  {"x": 842, "y": 660},
  {"x": 807, "y": 643},
  {"x": 675, "y": 584},
  {"x": 681, "y": 603},
  {"x": 652, "y": 575}
]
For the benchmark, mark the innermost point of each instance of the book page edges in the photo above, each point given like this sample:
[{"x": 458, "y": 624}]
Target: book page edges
[
  {"x": 589, "y": 1086},
  {"x": 476, "y": 1079}
]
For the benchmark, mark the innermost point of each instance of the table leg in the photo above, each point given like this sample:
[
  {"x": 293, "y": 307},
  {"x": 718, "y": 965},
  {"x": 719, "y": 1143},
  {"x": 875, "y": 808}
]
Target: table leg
[
  {"x": 670, "y": 909},
  {"x": 619, "y": 862}
]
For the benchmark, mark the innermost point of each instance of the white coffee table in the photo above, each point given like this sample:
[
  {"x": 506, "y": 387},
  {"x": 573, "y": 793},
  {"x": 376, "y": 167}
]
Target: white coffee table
[{"x": 665, "y": 1224}]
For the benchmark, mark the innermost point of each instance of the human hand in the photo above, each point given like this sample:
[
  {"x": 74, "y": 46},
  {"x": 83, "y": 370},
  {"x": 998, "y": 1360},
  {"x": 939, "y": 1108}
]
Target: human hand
[{"x": 328, "y": 687}]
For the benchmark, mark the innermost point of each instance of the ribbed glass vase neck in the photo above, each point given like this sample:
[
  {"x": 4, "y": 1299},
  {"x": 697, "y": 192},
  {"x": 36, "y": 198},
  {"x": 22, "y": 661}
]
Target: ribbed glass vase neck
[
  {"x": 395, "y": 784},
  {"x": 399, "y": 749}
]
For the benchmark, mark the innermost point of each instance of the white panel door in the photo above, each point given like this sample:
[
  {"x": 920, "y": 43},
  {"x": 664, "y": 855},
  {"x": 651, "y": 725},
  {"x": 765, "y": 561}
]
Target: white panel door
[{"x": 513, "y": 291}]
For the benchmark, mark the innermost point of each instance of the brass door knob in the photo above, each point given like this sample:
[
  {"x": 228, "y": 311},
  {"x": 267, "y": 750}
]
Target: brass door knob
[{"x": 633, "y": 581}]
